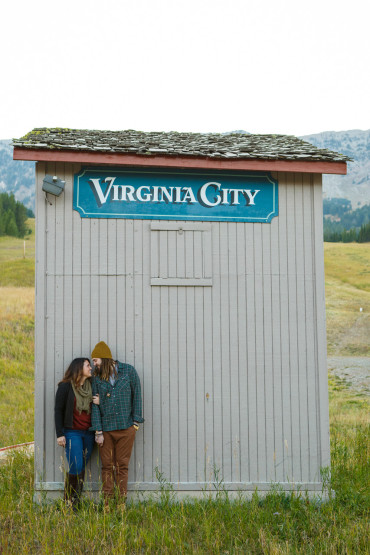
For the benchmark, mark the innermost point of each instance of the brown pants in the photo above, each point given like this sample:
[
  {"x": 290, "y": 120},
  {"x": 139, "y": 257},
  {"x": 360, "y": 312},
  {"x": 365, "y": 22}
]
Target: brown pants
[{"x": 115, "y": 455}]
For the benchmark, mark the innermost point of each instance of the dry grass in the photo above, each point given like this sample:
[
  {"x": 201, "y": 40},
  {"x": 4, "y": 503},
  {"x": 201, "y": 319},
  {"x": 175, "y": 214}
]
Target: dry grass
[
  {"x": 11, "y": 248},
  {"x": 347, "y": 286},
  {"x": 348, "y": 263},
  {"x": 16, "y": 364},
  {"x": 15, "y": 269}
]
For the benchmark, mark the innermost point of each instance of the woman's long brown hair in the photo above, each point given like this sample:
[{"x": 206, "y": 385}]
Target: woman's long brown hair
[
  {"x": 107, "y": 368},
  {"x": 74, "y": 371}
]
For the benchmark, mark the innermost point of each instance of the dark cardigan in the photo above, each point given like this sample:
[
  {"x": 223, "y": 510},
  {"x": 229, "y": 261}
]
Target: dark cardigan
[{"x": 63, "y": 410}]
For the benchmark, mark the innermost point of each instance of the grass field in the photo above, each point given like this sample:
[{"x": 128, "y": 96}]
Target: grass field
[
  {"x": 279, "y": 524},
  {"x": 15, "y": 270},
  {"x": 347, "y": 289}
]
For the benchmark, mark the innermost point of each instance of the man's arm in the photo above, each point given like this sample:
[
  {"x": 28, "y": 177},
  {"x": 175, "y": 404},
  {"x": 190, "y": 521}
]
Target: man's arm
[{"x": 136, "y": 403}]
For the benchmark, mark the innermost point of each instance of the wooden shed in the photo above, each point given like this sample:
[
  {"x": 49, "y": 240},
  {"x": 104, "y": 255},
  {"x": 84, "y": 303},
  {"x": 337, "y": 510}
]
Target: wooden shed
[{"x": 198, "y": 258}]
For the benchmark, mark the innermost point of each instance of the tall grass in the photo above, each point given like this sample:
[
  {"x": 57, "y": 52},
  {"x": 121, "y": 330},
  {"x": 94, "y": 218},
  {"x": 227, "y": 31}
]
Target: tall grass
[
  {"x": 280, "y": 523},
  {"x": 16, "y": 364}
]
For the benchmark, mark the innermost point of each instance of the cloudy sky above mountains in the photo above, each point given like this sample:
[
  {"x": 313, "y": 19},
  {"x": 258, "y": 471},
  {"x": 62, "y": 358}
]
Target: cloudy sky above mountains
[{"x": 186, "y": 65}]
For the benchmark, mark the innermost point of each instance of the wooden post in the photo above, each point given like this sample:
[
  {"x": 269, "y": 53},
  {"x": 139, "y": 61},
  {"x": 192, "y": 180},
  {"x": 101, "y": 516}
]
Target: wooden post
[{"x": 24, "y": 249}]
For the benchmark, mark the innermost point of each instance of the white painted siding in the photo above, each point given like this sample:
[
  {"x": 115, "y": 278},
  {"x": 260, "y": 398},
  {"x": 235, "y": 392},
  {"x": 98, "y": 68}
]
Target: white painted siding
[{"x": 224, "y": 322}]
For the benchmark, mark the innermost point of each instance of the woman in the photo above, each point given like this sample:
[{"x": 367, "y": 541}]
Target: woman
[{"x": 72, "y": 422}]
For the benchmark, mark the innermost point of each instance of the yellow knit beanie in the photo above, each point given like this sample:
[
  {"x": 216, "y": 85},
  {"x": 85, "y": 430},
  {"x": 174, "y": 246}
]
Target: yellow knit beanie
[{"x": 101, "y": 350}]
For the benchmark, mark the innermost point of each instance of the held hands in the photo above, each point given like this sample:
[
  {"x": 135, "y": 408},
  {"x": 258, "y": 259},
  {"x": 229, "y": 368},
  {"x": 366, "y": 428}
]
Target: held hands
[
  {"x": 61, "y": 441},
  {"x": 96, "y": 399},
  {"x": 99, "y": 438}
]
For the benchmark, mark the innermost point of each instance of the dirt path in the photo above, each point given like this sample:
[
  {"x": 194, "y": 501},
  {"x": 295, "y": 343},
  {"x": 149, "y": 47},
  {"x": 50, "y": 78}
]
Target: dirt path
[{"x": 354, "y": 370}]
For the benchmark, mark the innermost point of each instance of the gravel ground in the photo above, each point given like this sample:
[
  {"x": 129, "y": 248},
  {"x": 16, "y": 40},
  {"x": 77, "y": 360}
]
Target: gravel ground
[{"x": 354, "y": 370}]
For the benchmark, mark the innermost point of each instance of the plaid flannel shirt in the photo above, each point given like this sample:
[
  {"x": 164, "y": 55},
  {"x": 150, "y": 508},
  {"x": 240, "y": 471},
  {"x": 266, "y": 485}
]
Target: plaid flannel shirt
[{"x": 120, "y": 405}]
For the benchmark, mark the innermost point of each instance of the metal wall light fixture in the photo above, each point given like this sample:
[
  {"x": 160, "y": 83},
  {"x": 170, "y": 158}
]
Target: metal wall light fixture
[{"x": 53, "y": 185}]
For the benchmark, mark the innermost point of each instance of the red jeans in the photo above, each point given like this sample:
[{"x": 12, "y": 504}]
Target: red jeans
[{"x": 115, "y": 455}]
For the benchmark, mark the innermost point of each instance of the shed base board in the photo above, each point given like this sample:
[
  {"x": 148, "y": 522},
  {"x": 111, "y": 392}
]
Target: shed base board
[{"x": 49, "y": 491}]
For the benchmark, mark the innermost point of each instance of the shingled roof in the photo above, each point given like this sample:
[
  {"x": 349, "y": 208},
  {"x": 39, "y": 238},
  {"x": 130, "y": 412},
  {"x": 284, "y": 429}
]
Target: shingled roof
[{"x": 231, "y": 146}]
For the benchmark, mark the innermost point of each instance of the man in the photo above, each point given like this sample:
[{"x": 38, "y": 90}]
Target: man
[{"x": 116, "y": 419}]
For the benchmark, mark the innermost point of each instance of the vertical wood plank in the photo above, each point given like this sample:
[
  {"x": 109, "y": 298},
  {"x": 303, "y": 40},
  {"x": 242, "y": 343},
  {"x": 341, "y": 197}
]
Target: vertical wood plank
[
  {"x": 293, "y": 335},
  {"x": 70, "y": 304},
  {"x": 77, "y": 270},
  {"x": 216, "y": 341},
  {"x": 308, "y": 216},
  {"x": 301, "y": 328},
  {"x": 103, "y": 279},
  {"x": 139, "y": 234},
  {"x": 59, "y": 361},
  {"x": 50, "y": 452},
  {"x": 200, "y": 315},
  {"x": 251, "y": 353},
  {"x": 112, "y": 271},
  {"x": 87, "y": 338},
  {"x": 147, "y": 381},
  {"x": 234, "y": 369},
  {"x": 157, "y": 379},
  {"x": 284, "y": 214},
  {"x": 40, "y": 322},
  {"x": 175, "y": 393},
  {"x": 189, "y": 253},
  {"x": 322, "y": 377},
  {"x": 198, "y": 253},
  {"x": 209, "y": 432},
  {"x": 94, "y": 283},
  {"x": 121, "y": 289},
  {"x": 268, "y": 350},
  {"x": 183, "y": 383},
  {"x": 163, "y": 254},
  {"x": 226, "y": 471},
  {"x": 207, "y": 253},
  {"x": 172, "y": 254},
  {"x": 191, "y": 390},
  {"x": 180, "y": 254},
  {"x": 276, "y": 349},
  {"x": 130, "y": 293},
  {"x": 242, "y": 351},
  {"x": 260, "y": 355},
  {"x": 154, "y": 242},
  {"x": 165, "y": 383}
]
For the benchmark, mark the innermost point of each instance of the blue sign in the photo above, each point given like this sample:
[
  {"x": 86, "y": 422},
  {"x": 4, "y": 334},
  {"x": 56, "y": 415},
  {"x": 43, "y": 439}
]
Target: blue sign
[{"x": 175, "y": 195}]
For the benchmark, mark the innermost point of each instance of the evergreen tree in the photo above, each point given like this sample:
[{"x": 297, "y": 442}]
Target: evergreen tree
[
  {"x": 11, "y": 224},
  {"x": 364, "y": 233},
  {"x": 20, "y": 218},
  {"x": 13, "y": 216}
]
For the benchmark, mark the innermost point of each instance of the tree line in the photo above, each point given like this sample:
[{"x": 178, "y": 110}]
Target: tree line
[
  {"x": 342, "y": 224},
  {"x": 13, "y": 216},
  {"x": 352, "y": 235}
]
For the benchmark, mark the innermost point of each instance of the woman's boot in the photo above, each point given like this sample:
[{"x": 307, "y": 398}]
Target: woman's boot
[
  {"x": 80, "y": 485},
  {"x": 71, "y": 487}
]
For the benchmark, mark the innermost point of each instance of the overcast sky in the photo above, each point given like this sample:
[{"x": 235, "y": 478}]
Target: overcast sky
[{"x": 264, "y": 66}]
